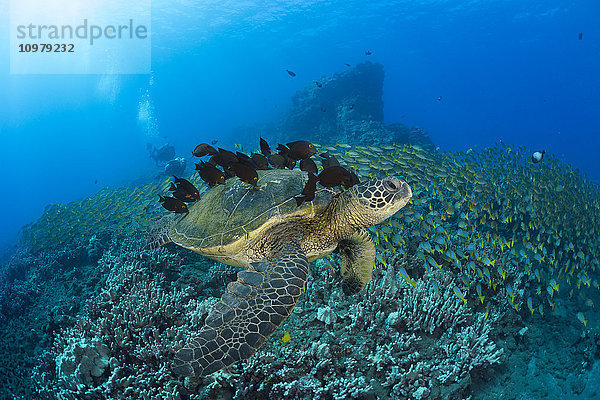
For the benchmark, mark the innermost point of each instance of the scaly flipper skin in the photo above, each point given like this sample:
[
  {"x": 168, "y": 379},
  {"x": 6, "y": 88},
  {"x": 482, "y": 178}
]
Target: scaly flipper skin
[
  {"x": 357, "y": 254},
  {"x": 253, "y": 307},
  {"x": 158, "y": 241}
]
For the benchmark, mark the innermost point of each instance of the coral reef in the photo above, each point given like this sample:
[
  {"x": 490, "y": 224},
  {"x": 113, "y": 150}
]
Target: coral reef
[
  {"x": 482, "y": 273},
  {"x": 40, "y": 295},
  {"x": 392, "y": 340},
  {"x": 128, "y": 333}
]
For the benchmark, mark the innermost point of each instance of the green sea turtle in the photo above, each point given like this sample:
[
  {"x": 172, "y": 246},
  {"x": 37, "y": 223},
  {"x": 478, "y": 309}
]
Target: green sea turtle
[{"x": 263, "y": 230}]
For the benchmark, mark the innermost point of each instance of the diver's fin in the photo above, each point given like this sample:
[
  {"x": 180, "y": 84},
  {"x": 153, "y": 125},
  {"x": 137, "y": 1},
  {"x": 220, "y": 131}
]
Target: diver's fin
[
  {"x": 357, "y": 253},
  {"x": 253, "y": 307}
]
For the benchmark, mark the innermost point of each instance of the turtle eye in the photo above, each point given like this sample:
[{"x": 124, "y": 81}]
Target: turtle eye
[{"x": 389, "y": 185}]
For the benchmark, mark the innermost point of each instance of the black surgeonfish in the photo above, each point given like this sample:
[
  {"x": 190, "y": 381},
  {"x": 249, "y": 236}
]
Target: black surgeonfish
[
  {"x": 261, "y": 161},
  {"x": 213, "y": 160},
  {"x": 173, "y": 204},
  {"x": 203, "y": 149},
  {"x": 328, "y": 160},
  {"x": 352, "y": 181},
  {"x": 277, "y": 160},
  {"x": 291, "y": 73},
  {"x": 229, "y": 172},
  {"x": 244, "y": 159},
  {"x": 265, "y": 148},
  {"x": 181, "y": 194},
  {"x": 185, "y": 189},
  {"x": 225, "y": 158},
  {"x": 246, "y": 173},
  {"x": 298, "y": 150},
  {"x": 308, "y": 193},
  {"x": 210, "y": 174},
  {"x": 335, "y": 176},
  {"x": 308, "y": 165},
  {"x": 290, "y": 163}
]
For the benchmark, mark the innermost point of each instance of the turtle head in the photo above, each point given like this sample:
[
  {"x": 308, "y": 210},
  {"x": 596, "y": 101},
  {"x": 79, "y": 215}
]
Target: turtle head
[{"x": 378, "y": 199}]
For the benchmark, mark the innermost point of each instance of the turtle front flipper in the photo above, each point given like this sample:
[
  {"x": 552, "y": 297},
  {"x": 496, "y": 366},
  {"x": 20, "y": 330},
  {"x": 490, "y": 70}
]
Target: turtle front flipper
[
  {"x": 357, "y": 253},
  {"x": 253, "y": 307}
]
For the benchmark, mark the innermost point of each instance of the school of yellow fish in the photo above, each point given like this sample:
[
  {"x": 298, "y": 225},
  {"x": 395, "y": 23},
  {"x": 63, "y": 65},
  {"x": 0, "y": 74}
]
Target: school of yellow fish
[{"x": 515, "y": 233}]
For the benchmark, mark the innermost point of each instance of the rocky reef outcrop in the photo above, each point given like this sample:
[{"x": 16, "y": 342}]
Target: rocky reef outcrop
[{"x": 346, "y": 107}]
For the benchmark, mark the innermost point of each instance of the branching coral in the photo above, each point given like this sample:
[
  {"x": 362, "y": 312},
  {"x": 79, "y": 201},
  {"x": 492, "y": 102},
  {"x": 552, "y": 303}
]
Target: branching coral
[
  {"x": 122, "y": 346},
  {"x": 394, "y": 340}
]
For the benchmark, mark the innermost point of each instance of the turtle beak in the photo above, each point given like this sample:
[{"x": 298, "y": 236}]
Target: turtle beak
[
  {"x": 401, "y": 190},
  {"x": 404, "y": 192},
  {"x": 398, "y": 187}
]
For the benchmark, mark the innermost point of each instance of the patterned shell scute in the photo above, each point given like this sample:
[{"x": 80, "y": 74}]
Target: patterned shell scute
[{"x": 227, "y": 212}]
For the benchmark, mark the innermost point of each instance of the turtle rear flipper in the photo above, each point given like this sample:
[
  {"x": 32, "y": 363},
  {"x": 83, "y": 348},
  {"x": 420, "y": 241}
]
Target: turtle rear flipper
[
  {"x": 253, "y": 307},
  {"x": 157, "y": 241},
  {"x": 357, "y": 254},
  {"x": 158, "y": 234}
]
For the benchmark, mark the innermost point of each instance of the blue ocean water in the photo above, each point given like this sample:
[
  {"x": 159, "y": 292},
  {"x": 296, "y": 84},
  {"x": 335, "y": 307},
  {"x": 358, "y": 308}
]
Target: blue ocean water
[{"x": 471, "y": 73}]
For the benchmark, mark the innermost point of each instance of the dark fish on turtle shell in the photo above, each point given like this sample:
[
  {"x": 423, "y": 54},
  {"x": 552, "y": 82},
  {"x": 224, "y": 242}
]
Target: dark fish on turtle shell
[
  {"x": 328, "y": 160},
  {"x": 181, "y": 194},
  {"x": 308, "y": 193},
  {"x": 308, "y": 165},
  {"x": 290, "y": 163},
  {"x": 226, "y": 158},
  {"x": 352, "y": 181},
  {"x": 335, "y": 176},
  {"x": 210, "y": 174},
  {"x": 261, "y": 161},
  {"x": 300, "y": 150},
  {"x": 246, "y": 173},
  {"x": 277, "y": 160},
  {"x": 185, "y": 187},
  {"x": 244, "y": 159},
  {"x": 173, "y": 204}
]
